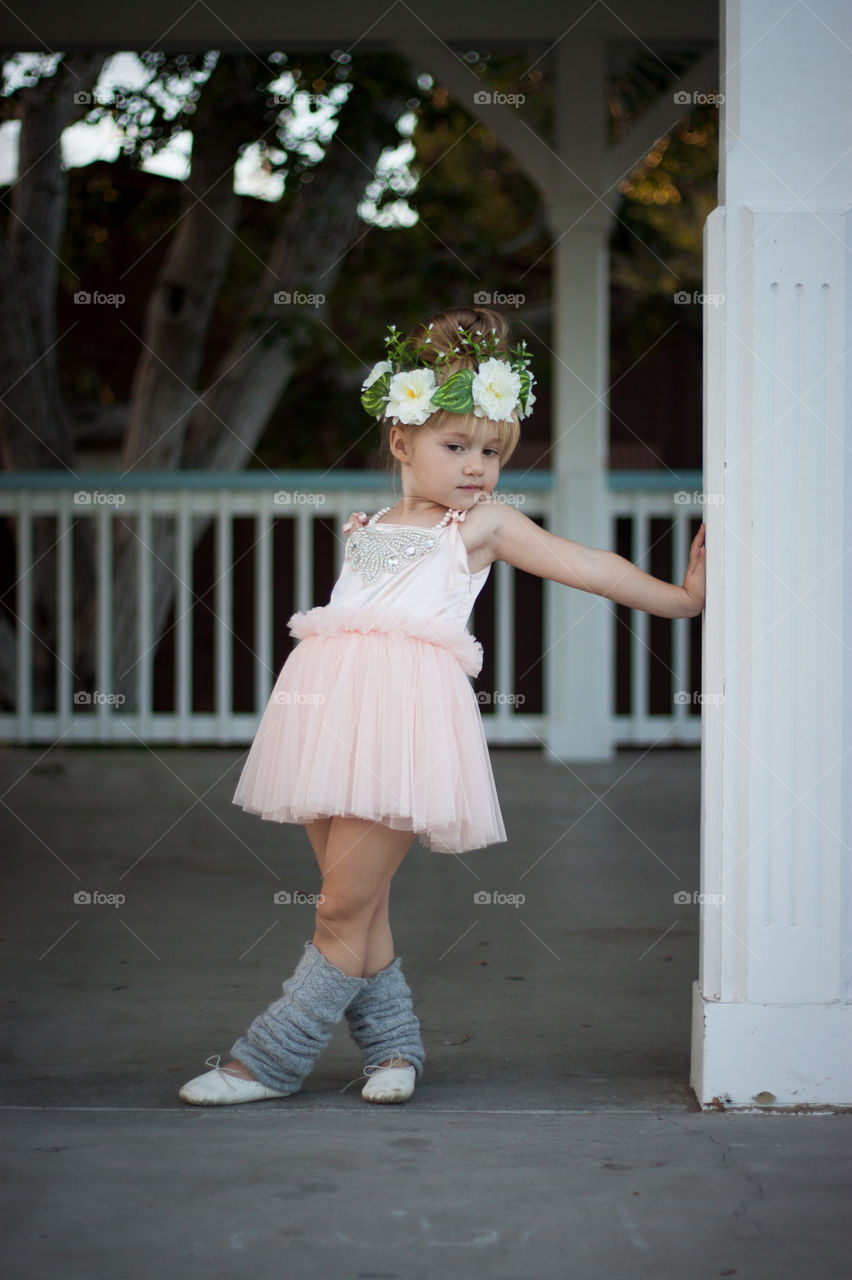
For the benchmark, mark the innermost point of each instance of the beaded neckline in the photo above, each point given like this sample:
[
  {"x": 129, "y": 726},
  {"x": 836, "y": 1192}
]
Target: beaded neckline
[{"x": 423, "y": 529}]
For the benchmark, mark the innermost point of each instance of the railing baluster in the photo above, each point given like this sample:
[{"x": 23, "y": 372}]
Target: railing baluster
[
  {"x": 304, "y": 559},
  {"x": 183, "y": 614},
  {"x": 263, "y": 674},
  {"x": 343, "y": 504},
  {"x": 64, "y": 613},
  {"x": 504, "y": 666},
  {"x": 103, "y": 660},
  {"x": 680, "y": 639},
  {"x": 224, "y": 634},
  {"x": 639, "y": 624},
  {"x": 144, "y": 619},
  {"x": 25, "y": 616}
]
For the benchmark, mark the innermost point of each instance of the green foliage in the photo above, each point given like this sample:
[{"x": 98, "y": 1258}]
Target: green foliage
[{"x": 480, "y": 224}]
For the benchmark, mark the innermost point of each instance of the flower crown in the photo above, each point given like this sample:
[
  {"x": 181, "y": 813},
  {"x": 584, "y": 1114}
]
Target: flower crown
[{"x": 404, "y": 388}]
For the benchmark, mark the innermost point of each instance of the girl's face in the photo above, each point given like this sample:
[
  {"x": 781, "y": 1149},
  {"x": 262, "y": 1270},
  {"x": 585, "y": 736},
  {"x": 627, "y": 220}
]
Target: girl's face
[{"x": 449, "y": 465}]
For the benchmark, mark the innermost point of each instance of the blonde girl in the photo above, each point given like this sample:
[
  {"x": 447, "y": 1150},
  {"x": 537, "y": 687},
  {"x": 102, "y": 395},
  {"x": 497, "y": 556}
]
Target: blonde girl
[{"x": 372, "y": 734}]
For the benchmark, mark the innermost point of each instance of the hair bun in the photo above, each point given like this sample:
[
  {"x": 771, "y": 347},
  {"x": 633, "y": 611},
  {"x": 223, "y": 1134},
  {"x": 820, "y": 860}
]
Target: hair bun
[{"x": 443, "y": 331}]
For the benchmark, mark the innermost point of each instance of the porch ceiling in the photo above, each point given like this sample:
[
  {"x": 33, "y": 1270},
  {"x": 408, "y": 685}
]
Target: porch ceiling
[{"x": 368, "y": 24}]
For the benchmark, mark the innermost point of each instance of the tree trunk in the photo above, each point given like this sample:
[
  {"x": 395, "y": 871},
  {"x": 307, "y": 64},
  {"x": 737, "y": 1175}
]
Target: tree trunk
[
  {"x": 182, "y": 300},
  {"x": 35, "y": 429},
  {"x": 184, "y": 294},
  {"x": 228, "y": 420}
]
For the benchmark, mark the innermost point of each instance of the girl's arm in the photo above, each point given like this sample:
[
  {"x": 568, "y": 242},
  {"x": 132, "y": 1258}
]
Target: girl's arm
[{"x": 520, "y": 542}]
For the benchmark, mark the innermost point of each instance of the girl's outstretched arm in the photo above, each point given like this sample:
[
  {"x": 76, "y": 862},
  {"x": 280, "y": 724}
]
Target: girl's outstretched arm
[{"x": 522, "y": 543}]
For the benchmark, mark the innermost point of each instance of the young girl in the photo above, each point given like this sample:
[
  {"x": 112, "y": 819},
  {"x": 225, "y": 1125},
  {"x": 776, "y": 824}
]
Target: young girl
[{"x": 373, "y": 734}]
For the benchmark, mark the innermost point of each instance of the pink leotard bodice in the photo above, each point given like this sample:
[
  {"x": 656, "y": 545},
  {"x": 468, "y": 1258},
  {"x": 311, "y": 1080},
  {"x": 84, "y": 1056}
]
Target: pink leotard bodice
[{"x": 425, "y": 571}]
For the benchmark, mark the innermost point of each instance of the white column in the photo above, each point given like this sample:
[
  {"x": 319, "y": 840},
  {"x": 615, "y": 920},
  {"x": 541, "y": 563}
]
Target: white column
[
  {"x": 578, "y": 636},
  {"x": 772, "y": 1019}
]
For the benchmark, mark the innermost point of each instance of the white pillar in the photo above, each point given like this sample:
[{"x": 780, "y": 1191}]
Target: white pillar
[
  {"x": 772, "y": 1019},
  {"x": 578, "y": 636}
]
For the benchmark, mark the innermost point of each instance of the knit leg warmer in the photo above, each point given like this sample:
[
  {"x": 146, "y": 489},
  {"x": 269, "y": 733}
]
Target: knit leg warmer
[
  {"x": 383, "y": 1022},
  {"x": 282, "y": 1044}
]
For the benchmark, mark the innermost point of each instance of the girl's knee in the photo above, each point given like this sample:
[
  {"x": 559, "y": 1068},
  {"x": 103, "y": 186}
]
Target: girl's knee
[{"x": 337, "y": 909}]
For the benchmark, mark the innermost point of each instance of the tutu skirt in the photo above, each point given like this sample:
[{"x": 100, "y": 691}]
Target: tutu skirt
[{"x": 372, "y": 716}]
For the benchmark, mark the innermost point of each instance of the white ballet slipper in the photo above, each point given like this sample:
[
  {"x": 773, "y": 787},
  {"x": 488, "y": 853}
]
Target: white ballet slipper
[
  {"x": 388, "y": 1084},
  {"x": 222, "y": 1088}
]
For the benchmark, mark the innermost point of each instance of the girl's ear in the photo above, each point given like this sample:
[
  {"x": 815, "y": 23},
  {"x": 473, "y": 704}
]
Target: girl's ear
[{"x": 398, "y": 443}]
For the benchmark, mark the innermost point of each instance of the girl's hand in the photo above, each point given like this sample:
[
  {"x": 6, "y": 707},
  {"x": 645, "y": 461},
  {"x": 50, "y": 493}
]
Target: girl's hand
[
  {"x": 356, "y": 521},
  {"x": 694, "y": 579}
]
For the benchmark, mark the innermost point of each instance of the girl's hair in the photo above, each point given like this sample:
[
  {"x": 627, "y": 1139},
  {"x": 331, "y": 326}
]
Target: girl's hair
[{"x": 445, "y": 336}]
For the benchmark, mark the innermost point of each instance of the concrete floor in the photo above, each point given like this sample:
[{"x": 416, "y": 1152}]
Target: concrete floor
[{"x": 554, "y": 1133}]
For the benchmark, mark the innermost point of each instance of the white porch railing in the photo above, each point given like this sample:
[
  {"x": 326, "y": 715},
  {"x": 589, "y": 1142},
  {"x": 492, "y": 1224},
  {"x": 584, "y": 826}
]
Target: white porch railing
[{"x": 307, "y": 502}]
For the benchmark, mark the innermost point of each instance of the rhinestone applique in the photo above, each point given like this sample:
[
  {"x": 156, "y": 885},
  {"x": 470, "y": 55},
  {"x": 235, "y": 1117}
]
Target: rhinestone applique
[{"x": 372, "y": 551}]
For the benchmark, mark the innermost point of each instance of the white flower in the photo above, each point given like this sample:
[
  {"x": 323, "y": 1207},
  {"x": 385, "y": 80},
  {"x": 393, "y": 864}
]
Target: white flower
[
  {"x": 496, "y": 389},
  {"x": 384, "y": 366},
  {"x": 409, "y": 397}
]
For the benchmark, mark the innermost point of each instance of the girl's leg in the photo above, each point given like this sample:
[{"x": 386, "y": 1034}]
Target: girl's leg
[
  {"x": 358, "y": 862},
  {"x": 361, "y": 859},
  {"x": 381, "y": 1018},
  {"x": 380, "y": 948}
]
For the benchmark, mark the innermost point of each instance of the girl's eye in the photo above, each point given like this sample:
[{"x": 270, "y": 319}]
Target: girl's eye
[{"x": 495, "y": 453}]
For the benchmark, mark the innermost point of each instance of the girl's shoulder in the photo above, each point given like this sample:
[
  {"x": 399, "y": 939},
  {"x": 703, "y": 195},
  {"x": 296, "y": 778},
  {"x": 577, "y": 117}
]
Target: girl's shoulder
[
  {"x": 485, "y": 513},
  {"x": 494, "y": 527},
  {"x": 479, "y": 525}
]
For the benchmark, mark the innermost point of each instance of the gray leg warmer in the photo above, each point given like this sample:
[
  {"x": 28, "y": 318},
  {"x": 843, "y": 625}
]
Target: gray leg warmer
[
  {"x": 282, "y": 1044},
  {"x": 383, "y": 1022}
]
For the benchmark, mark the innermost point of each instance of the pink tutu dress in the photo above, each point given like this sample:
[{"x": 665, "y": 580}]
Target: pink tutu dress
[{"x": 373, "y": 714}]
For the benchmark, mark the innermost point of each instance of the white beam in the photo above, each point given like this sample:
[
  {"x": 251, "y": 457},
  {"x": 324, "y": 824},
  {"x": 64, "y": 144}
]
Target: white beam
[
  {"x": 531, "y": 154},
  {"x": 701, "y": 77}
]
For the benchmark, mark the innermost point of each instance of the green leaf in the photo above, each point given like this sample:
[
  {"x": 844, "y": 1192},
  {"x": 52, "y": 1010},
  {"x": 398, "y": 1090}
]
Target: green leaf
[
  {"x": 526, "y": 383},
  {"x": 455, "y": 394},
  {"x": 375, "y": 397}
]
